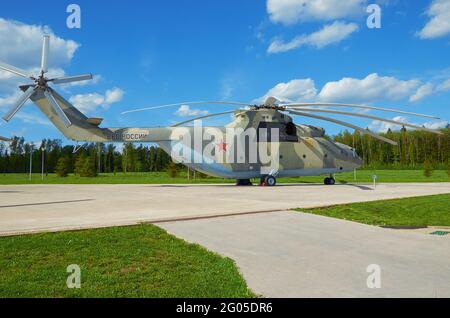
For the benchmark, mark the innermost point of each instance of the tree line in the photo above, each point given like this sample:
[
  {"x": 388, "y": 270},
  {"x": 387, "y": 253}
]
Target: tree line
[
  {"x": 96, "y": 157},
  {"x": 415, "y": 150}
]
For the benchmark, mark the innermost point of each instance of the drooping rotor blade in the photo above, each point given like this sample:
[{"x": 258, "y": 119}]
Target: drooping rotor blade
[
  {"x": 69, "y": 79},
  {"x": 371, "y": 117},
  {"x": 186, "y": 103},
  {"x": 342, "y": 123},
  {"x": 59, "y": 111},
  {"x": 202, "y": 117},
  {"x": 22, "y": 100},
  {"x": 358, "y": 106},
  {"x": 45, "y": 48},
  {"x": 15, "y": 70},
  {"x": 5, "y": 139}
]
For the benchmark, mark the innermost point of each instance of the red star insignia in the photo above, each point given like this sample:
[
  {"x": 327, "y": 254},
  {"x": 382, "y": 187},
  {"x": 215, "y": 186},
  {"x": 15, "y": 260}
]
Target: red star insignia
[{"x": 222, "y": 146}]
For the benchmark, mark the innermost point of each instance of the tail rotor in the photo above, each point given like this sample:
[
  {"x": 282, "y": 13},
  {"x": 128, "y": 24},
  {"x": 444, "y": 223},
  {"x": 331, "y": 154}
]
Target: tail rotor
[{"x": 41, "y": 84}]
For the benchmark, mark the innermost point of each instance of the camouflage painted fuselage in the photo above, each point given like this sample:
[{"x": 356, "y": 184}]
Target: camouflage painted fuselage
[{"x": 302, "y": 150}]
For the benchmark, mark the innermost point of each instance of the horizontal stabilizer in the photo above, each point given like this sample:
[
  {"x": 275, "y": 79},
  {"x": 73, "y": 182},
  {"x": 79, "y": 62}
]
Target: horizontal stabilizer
[{"x": 94, "y": 121}]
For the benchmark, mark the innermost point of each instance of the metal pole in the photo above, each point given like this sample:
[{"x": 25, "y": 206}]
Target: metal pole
[
  {"x": 42, "y": 160},
  {"x": 31, "y": 162}
]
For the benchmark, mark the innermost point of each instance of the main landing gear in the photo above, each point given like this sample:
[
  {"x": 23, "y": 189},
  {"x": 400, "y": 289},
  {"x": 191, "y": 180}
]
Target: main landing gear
[
  {"x": 329, "y": 181},
  {"x": 268, "y": 181},
  {"x": 243, "y": 182}
]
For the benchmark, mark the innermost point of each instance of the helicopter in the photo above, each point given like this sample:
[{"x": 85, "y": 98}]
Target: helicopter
[{"x": 295, "y": 150}]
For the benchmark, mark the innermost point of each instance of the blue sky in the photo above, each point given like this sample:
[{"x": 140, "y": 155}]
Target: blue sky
[{"x": 157, "y": 52}]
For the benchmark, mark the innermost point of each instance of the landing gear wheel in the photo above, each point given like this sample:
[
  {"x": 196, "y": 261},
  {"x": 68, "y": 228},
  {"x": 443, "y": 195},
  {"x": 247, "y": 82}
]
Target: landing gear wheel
[
  {"x": 329, "y": 181},
  {"x": 243, "y": 182},
  {"x": 270, "y": 181}
]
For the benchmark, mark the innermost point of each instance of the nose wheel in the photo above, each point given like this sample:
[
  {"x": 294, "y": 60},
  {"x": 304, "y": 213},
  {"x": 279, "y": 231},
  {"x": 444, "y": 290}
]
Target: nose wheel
[{"x": 329, "y": 181}]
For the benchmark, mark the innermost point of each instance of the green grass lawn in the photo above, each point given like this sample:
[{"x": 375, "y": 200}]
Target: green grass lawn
[
  {"x": 362, "y": 176},
  {"x": 419, "y": 211},
  {"x": 133, "y": 261}
]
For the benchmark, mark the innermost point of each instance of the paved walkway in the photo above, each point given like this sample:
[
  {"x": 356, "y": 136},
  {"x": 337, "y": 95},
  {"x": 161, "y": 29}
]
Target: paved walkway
[
  {"x": 37, "y": 208},
  {"x": 291, "y": 254}
]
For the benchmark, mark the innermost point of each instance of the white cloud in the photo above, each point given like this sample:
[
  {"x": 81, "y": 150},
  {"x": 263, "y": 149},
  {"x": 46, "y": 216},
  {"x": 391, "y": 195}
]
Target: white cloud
[
  {"x": 439, "y": 23},
  {"x": 296, "y": 90},
  {"x": 22, "y": 44},
  {"x": 88, "y": 103},
  {"x": 293, "y": 11},
  {"x": 444, "y": 87},
  {"x": 329, "y": 34},
  {"x": 372, "y": 88},
  {"x": 185, "y": 111},
  {"x": 113, "y": 95},
  {"x": 422, "y": 92},
  {"x": 382, "y": 127},
  {"x": 437, "y": 124},
  {"x": 33, "y": 119},
  {"x": 369, "y": 89},
  {"x": 9, "y": 100}
]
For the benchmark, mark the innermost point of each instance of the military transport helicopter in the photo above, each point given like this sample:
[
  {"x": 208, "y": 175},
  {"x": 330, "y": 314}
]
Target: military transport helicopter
[{"x": 303, "y": 150}]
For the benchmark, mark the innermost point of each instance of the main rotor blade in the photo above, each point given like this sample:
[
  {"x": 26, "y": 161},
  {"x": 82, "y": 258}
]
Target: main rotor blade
[
  {"x": 185, "y": 103},
  {"x": 59, "y": 111},
  {"x": 69, "y": 79},
  {"x": 202, "y": 117},
  {"x": 45, "y": 48},
  {"x": 371, "y": 117},
  {"x": 358, "y": 106},
  {"x": 15, "y": 70},
  {"x": 5, "y": 139},
  {"x": 22, "y": 100},
  {"x": 342, "y": 123}
]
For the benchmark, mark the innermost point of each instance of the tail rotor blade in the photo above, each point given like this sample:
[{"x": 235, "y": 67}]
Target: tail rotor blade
[
  {"x": 45, "y": 48},
  {"x": 22, "y": 100},
  {"x": 59, "y": 111},
  {"x": 69, "y": 79},
  {"x": 15, "y": 70}
]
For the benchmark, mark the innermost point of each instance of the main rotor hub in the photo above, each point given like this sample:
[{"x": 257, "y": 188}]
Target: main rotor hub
[
  {"x": 272, "y": 106},
  {"x": 41, "y": 81}
]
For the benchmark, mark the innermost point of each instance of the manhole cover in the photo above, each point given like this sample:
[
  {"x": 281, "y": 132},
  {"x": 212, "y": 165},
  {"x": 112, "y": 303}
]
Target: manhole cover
[{"x": 440, "y": 233}]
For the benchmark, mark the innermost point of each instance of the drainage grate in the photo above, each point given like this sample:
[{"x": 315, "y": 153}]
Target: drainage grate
[{"x": 440, "y": 233}]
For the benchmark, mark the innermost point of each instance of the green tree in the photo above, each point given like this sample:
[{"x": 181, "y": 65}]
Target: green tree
[
  {"x": 427, "y": 168},
  {"x": 89, "y": 169},
  {"x": 85, "y": 166},
  {"x": 79, "y": 164},
  {"x": 63, "y": 167},
  {"x": 172, "y": 169},
  {"x": 448, "y": 168}
]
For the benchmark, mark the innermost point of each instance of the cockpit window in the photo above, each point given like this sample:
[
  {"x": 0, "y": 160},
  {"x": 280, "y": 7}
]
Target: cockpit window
[
  {"x": 287, "y": 132},
  {"x": 291, "y": 129}
]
